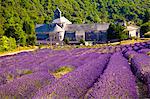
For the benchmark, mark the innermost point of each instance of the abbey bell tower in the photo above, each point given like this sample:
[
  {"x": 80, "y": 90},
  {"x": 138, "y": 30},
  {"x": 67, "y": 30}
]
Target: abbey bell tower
[{"x": 57, "y": 13}]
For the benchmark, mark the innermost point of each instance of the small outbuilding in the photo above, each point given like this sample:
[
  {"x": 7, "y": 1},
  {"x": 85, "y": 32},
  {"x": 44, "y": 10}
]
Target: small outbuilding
[{"x": 133, "y": 31}]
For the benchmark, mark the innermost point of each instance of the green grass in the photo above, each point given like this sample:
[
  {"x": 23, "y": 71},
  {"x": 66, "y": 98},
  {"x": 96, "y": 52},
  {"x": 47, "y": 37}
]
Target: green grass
[
  {"x": 18, "y": 50},
  {"x": 62, "y": 71}
]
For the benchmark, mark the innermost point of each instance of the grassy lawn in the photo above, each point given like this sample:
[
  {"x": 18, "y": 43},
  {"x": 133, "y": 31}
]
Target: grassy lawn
[{"x": 18, "y": 50}]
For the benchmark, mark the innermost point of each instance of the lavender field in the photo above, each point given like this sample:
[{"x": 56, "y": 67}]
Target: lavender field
[{"x": 112, "y": 72}]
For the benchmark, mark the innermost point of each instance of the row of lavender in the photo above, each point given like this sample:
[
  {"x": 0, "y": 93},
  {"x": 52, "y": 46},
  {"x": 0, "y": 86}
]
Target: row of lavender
[
  {"x": 114, "y": 80},
  {"x": 27, "y": 85},
  {"x": 44, "y": 60},
  {"x": 117, "y": 81},
  {"x": 48, "y": 60},
  {"x": 42, "y": 55},
  {"x": 75, "y": 84},
  {"x": 30, "y": 65},
  {"x": 140, "y": 65}
]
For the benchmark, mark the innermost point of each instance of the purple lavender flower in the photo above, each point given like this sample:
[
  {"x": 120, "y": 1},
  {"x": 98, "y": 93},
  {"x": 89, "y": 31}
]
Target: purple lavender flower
[
  {"x": 116, "y": 82},
  {"x": 75, "y": 84},
  {"x": 144, "y": 51},
  {"x": 26, "y": 86}
]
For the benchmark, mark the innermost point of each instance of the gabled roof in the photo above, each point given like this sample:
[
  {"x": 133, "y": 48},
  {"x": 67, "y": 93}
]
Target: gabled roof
[
  {"x": 48, "y": 28},
  {"x": 42, "y": 28},
  {"x": 87, "y": 27},
  {"x": 62, "y": 20}
]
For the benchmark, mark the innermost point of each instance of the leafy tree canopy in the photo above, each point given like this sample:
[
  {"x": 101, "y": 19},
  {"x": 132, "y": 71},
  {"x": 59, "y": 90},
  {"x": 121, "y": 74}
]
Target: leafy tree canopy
[{"x": 18, "y": 17}]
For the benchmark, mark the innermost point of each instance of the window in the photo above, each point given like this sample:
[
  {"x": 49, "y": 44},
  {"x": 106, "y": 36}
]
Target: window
[
  {"x": 90, "y": 36},
  {"x": 70, "y": 35}
]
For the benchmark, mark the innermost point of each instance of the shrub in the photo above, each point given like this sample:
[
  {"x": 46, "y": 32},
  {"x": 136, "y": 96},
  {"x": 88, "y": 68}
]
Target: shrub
[
  {"x": 145, "y": 28},
  {"x": 147, "y": 35},
  {"x": 31, "y": 39},
  {"x": 66, "y": 40},
  {"x": 7, "y": 43},
  {"x": 82, "y": 41}
]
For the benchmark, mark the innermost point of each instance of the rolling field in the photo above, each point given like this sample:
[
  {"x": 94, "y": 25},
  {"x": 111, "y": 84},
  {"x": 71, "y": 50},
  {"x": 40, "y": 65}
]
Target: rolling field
[{"x": 110, "y": 72}]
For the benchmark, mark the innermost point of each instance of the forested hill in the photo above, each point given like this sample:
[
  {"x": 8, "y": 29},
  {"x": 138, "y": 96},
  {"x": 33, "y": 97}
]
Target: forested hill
[{"x": 18, "y": 17}]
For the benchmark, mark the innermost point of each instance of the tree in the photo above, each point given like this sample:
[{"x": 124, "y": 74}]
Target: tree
[
  {"x": 31, "y": 39},
  {"x": 124, "y": 35},
  {"x": 28, "y": 27},
  {"x": 116, "y": 31},
  {"x": 146, "y": 16},
  {"x": 1, "y": 31},
  {"x": 18, "y": 21},
  {"x": 15, "y": 31},
  {"x": 145, "y": 28}
]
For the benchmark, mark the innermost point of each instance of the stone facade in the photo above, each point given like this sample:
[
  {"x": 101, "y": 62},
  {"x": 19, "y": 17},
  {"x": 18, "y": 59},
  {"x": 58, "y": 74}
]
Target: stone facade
[
  {"x": 61, "y": 28},
  {"x": 133, "y": 31}
]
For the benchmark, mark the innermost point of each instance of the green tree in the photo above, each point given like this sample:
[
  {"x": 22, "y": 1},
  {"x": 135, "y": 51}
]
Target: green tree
[
  {"x": 124, "y": 35},
  {"x": 18, "y": 17},
  {"x": 116, "y": 31},
  {"x": 31, "y": 39},
  {"x": 15, "y": 31},
  {"x": 146, "y": 16},
  {"x": 145, "y": 28}
]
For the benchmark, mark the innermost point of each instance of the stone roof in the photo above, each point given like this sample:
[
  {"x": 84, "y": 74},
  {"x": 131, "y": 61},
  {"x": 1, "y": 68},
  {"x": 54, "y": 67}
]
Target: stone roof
[
  {"x": 62, "y": 20},
  {"x": 42, "y": 28},
  {"x": 48, "y": 28},
  {"x": 71, "y": 27},
  {"x": 87, "y": 27}
]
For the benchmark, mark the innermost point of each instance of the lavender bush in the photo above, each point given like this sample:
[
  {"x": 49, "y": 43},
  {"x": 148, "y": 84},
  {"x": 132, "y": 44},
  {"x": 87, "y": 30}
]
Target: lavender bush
[
  {"x": 117, "y": 81},
  {"x": 141, "y": 68},
  {"x": 145, "y": 51},
  {"x": 76, "y": 83},
  {"x": 26, "y": 86},
  {"x": 86, "y": 64}
]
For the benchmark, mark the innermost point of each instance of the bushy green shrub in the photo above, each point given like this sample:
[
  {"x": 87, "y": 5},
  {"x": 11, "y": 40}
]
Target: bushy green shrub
[
  {"x": 66, "y": 40},
  {"x": 124, "y": 35},
  {"x": 7, "y": 43},
  {"x": 12, "y": 43},
  {"x": 82, "y": 41},
  {"x": 145, "y": 28},
  {"x": 147, "y": 35},
  {"x": 31, "y": 39}
]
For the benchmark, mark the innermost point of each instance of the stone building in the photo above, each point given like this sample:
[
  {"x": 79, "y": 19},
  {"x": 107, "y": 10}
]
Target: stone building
[
  {"x": 133, "y": 31},
  {"x": 61, "y": 28}
]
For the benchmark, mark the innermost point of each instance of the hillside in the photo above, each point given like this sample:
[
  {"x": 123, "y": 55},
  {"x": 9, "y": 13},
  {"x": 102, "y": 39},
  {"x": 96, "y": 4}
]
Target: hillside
[{"x": 18, "y": 17}]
